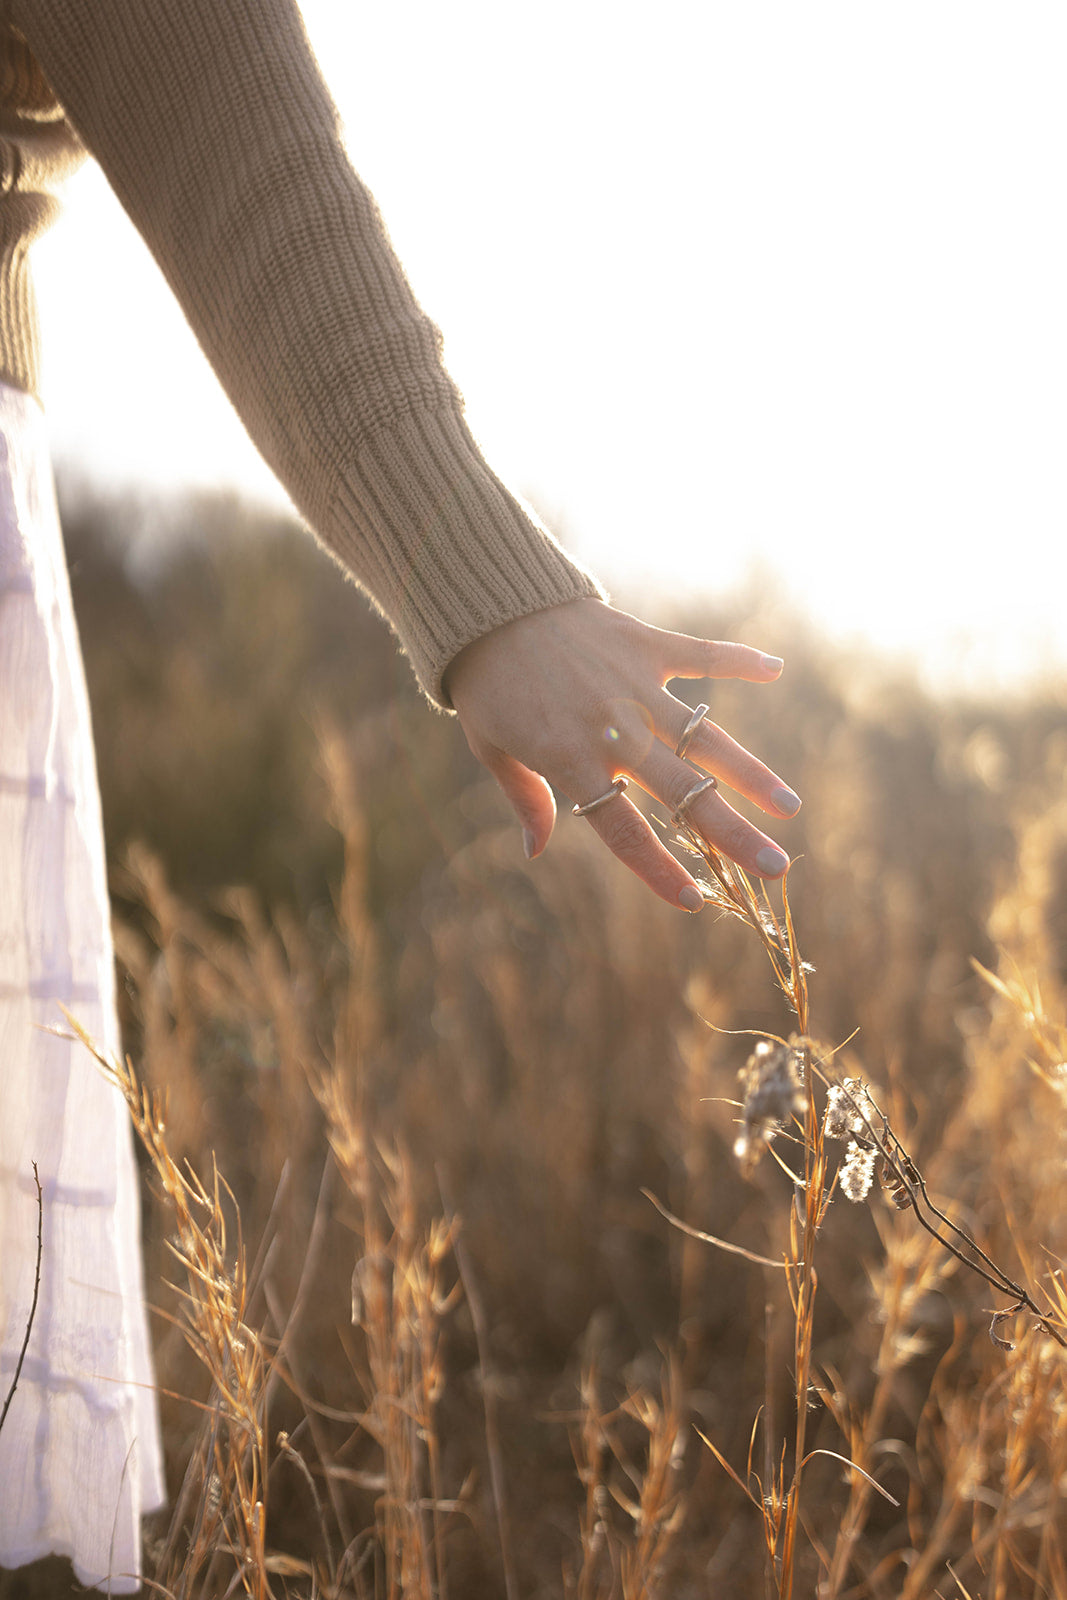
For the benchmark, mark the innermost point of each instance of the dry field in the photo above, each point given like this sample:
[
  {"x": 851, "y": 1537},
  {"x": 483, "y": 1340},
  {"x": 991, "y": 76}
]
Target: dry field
[{"x": 482, "y": 1265}]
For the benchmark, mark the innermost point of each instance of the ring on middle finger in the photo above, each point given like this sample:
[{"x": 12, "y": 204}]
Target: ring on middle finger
[
  {"x": 689, "y": 730},
  {"x": 678, "y": 814},
  {"x": 602, "y": 799}
]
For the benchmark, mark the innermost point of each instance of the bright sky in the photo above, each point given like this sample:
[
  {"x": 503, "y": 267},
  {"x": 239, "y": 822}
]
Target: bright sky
[{"x": 723, "y": 284}]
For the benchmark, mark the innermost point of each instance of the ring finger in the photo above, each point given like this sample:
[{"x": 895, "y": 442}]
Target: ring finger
[{"x": 670, "y": 780}]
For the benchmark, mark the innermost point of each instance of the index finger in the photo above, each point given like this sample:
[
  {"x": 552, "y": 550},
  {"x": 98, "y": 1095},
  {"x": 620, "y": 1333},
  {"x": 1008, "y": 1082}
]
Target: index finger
[{"x": 686, "y": 657}]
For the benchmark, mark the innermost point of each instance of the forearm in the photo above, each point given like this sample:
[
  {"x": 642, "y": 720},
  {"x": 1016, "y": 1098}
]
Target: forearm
[{"x": 213, "y": 125}]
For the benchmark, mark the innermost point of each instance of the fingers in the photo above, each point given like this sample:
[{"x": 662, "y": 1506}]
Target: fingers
[
  {"x": 671, "y": 781},
  {"x": 712, "y": 749},
  {"x": 531, "y": 798},
  {"x": 662, "y": 774},
  {"x": 627, "y": 835}
]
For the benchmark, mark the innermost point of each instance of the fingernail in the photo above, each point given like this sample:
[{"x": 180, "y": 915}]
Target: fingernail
[
  {"x": 785, "y": 800},
  {"x": 529, "y": 843},
  {"x": 772, "y": 861},
  {"x": 691, "y": 898},
  {"x": 772, "y": 663}
]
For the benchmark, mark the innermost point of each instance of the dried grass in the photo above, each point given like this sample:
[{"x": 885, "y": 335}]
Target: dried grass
[{"x": 427, "y": 1335}]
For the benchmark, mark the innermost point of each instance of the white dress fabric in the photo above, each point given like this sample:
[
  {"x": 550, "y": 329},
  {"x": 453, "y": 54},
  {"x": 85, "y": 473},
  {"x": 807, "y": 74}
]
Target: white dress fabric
[{"x": 80, "y": 1458}]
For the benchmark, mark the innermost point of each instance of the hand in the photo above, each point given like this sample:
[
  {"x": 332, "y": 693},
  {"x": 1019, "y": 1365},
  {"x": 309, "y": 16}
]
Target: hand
[{"x": 575, "y": 695}]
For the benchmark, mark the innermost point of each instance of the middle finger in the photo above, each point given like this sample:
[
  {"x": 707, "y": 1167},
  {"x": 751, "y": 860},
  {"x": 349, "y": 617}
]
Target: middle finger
[
  {"x": 661, "y": 774},
  {"x": 710, "y": 747}
]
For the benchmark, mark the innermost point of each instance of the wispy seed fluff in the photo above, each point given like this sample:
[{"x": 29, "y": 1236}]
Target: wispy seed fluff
[
  {"x": 842, "y": 1117},
  {"x": 857, "y": 1174},
  {"x": 772, "y": 1089}
]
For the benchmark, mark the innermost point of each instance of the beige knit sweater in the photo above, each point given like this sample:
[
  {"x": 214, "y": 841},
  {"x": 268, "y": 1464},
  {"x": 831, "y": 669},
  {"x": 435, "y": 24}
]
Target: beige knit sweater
[{"x": 213, "y": 126}]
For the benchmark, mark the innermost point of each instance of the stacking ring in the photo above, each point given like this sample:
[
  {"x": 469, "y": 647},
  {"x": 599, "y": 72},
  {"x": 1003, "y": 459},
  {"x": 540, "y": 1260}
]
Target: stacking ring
[
  {"x": 602, "y": 799},
  {"x": 678, "y": 814},
  {"x": 690, "y": 728}
]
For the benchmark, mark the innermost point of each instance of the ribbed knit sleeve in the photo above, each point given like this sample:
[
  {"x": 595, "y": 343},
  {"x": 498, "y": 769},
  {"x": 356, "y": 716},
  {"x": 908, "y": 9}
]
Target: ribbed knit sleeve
[{"x": 213, "y": 125}]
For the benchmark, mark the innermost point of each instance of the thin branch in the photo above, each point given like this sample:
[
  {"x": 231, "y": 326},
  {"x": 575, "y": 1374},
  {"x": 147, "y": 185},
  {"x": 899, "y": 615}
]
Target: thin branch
[
  {"x": 36, "y": 1293},
  {"x": 709, "y": 1238},
  {"x": 910, "y": 1178}
]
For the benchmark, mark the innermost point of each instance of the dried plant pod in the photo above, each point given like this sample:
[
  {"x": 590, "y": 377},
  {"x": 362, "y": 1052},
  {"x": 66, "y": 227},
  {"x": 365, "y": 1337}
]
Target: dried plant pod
[
  {"x": 997, "y": 1318},
  {"x": 772, "y": 1091},
  {"x": 898, "y": 1180}
]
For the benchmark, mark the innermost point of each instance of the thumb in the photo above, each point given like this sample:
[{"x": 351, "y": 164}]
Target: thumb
[{"x": 532, "y": 800}]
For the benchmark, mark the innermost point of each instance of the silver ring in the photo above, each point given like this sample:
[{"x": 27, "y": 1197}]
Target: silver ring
[
  {"x": 602, "y": 799},
  {"x": 678, "y": 814},
  {"x": 690, "y": 728}
]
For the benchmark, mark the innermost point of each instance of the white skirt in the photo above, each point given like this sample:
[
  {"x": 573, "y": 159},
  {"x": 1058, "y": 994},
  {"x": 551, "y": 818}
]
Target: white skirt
[{"x": 80, "y": 1458}]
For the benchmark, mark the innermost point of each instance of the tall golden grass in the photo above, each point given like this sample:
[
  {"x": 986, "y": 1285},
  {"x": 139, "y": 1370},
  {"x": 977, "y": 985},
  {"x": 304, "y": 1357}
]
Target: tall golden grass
[{"x": 460, "y": 1287}]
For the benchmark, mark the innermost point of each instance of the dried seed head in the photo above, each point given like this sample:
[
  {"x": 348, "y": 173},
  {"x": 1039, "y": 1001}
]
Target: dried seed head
[
  {"x": 857, "y": 1173},
  {"x": 847, "y": 1105},
  {"x": 771, "y": 1082},
  {"x": 772, "y": 1090},
  {"x": 837, "y": 1121}
]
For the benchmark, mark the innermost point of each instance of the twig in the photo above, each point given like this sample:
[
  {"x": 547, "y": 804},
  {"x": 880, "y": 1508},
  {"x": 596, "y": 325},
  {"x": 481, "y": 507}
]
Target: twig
[
  {"x": 36, "y": 1293},
  {"x": 709, "y": 1238},
  {"x": 288, "y": 1449},
  {"x": 910, "y": 1179}
]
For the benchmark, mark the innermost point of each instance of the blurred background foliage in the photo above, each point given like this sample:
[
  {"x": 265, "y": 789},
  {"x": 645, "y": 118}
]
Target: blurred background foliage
[
  {"x": 535, "y": 1036},
  {"x": 220, "y": 644}
]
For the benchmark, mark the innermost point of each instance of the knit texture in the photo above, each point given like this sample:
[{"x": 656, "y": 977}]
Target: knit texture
[{"x": 214, "y": 127}]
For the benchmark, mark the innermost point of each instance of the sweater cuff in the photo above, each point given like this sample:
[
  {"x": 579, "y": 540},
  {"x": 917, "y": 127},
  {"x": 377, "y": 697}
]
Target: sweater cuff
[{"x": 444, "y": 550}]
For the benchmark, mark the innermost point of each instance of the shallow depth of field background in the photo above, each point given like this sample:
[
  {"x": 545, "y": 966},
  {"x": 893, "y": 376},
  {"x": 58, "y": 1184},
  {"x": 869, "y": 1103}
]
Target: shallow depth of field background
[
  {"x": 307, "y": 865},
  {"x": 763, "y": 307}
]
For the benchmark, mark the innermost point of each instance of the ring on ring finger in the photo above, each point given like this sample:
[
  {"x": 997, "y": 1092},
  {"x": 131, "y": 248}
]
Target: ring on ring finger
[
  {"x": 602, "y": 799},
  {"x": 678, "y": 815}
]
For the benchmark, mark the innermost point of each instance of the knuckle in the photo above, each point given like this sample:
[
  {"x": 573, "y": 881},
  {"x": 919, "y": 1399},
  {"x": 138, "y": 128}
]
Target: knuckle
[
  {"x": 718, "y": 652},
  {"x": 711, "y": 740},
  {"x": 568, "y": 762},
  {"x": 488, "y": 754}
]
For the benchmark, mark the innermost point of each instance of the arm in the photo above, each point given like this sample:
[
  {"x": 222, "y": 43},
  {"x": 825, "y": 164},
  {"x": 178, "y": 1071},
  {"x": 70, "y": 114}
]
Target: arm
[{"x": 213, "y": 125}]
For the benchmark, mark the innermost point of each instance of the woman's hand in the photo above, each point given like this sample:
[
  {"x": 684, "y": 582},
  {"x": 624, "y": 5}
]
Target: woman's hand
[{"x": 574, "y": 696}]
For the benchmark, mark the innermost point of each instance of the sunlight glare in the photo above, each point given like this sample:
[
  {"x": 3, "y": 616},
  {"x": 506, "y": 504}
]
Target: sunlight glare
[{"x": 725, "y": 288}]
